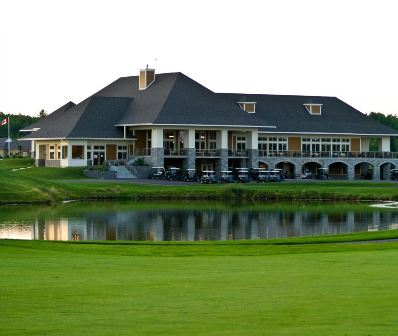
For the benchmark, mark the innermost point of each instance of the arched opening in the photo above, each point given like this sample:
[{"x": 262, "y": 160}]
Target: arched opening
[
  {"x": 385, "y": 170},
  {"x": 311, "y": 167},
  {"x": 338, "y": 171},
  {"x": 364, "y": 171},
  {"x": 288, "y": 169},
  {"x": 263, "y": 165}
]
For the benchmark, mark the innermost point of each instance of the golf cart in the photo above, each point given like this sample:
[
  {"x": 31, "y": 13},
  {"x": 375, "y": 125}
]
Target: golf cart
[
  {"x": 394, "y": 174},
  {"x": 190, "y": 175},
  {"x": 259, "y": 174},
  {"x": 322, "y": 174},
  {"x": 208, "y": 177},
  {"x": 278, "y": 174},
  {"x": 226, "y": 176},
  {"x": 242, "y": 175},
  {"x": 157, "y": 173},
  {"x": 275, "y": 175},
  {"x": 306, "y": 175},
  {"x": 172, "y": 174}
]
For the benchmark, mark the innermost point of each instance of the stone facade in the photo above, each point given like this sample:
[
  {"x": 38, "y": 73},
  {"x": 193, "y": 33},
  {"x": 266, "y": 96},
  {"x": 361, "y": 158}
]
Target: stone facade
[
  {"x": 189, "y": 162},
  {"x": 157, "y": 157},
  {"x": 381, "y": 166}
]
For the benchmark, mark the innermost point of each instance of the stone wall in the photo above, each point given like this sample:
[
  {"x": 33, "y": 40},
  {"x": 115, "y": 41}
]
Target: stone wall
[{"x": 99, "y": 174}]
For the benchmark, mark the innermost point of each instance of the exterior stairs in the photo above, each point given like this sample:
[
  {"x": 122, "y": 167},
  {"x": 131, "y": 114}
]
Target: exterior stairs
[{"x": 122, "y": 172}]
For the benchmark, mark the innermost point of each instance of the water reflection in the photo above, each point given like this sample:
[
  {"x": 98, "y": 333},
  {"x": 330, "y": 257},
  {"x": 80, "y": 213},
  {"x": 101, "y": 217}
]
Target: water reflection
[{"x": 195, "y": 224}]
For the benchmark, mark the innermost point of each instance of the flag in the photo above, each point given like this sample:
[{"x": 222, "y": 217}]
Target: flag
[{"x": 4, "y": 122}]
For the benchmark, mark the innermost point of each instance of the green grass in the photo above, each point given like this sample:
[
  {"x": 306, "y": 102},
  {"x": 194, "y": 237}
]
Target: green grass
[
  {"x": 305, "y": 288},
  {"x": 49, "y": 185}
]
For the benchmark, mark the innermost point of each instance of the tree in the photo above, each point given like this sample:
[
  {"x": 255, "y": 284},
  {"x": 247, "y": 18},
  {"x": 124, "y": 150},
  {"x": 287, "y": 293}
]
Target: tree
[{"x": 42, "y": 114}]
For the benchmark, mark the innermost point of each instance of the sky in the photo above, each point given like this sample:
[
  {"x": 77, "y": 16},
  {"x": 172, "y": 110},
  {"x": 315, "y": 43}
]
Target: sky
[{"x": 52, "y": 52}]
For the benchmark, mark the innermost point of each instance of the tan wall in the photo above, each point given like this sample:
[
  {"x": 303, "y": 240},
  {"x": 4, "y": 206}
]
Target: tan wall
[
  {"x": 294, "y": 143},
  {"x": 111, "y": 152},
  {"x": 140, "y": 143},
  {"x": 355, "y": 145},
  {"x": 131, "y": 149},
  {"x": 142, "y": 80}
]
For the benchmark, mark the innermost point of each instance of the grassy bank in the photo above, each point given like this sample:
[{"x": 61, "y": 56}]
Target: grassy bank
[
  {"x": 45, "y": 185},
  {"x": 304, "y": 288}
]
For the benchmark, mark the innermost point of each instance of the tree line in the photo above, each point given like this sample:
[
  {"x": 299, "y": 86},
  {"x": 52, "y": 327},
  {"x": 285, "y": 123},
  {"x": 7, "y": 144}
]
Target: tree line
[
  {"x": 388, "y": 120},
  {"x": 18, "y": 121}
]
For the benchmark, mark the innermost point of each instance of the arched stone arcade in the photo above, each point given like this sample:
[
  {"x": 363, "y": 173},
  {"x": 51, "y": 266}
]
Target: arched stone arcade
[
  {"x": 364, "y": 171},
  {"x": 338, "y": 171}
]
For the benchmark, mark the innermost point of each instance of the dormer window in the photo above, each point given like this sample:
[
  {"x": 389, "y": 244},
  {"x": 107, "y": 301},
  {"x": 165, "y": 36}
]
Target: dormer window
[
  {"x": 249, "y": 107},
  {"x": 314, "y": 108}
]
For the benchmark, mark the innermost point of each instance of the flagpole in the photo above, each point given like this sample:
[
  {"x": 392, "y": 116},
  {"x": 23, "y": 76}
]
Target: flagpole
[{"x": 9, "y": 142}]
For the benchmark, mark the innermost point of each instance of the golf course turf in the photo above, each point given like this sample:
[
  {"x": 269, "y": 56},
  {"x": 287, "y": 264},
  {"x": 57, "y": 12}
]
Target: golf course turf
[{"x": 51, "y": 288}]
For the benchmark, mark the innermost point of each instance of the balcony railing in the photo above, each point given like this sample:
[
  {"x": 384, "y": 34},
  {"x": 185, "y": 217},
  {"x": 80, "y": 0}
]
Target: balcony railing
[
  {"x": 235, "y": 153},
  {"x": 300, "y": 154},
  {"x": 208, "y": 153},
  {"x": 175, "y": 152}
]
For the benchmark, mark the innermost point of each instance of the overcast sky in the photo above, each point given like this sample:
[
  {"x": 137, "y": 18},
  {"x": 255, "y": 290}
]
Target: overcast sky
[{"x": 52, "y": 52}]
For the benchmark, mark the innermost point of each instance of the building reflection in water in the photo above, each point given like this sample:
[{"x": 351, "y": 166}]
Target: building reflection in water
[{"x": 190, "y": 225}]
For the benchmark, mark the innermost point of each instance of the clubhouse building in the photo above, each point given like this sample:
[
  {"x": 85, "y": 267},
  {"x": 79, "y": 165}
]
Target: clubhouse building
[{"x": 171, "y": 120}]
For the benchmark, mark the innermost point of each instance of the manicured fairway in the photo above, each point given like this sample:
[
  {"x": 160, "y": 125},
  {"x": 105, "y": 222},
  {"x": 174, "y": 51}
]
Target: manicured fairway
[{"x": 175, "y": 289}]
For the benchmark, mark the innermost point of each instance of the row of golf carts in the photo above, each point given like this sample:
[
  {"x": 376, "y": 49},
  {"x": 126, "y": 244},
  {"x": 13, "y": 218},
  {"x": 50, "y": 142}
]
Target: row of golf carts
[{"x": 242, "y": 175}]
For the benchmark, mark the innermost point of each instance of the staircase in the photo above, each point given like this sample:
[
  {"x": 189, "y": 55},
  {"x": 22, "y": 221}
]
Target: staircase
[{"x": 122, "y": 172}]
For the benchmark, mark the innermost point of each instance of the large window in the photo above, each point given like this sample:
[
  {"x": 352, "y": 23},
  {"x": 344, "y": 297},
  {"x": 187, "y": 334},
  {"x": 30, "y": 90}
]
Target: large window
[
  {"x": 77, "y": 152},
  {"x": 121, "y": 152},
  {"x": 169, "y": 141},
  {"x": 52, "y": 152},
  {"x": 240, "y": 144},
  {"x": 212, "y": 144},
  {"x": 325, "y": 145},
  {"x": 272, "y": 144}
]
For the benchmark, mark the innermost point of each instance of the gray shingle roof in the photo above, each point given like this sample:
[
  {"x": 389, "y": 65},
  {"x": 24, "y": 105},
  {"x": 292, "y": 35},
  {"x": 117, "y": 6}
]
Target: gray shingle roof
[
  {"x": 92, "y": 118},
  {"x": 289, "y": 115},
  {"x": 44, "y": 122},
  {"x": 175, "y": 99},
  {"x": 15, "y": 145}
]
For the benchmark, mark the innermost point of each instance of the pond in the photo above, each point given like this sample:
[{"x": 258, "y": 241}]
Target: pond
[{"x": 190, "y": 221}]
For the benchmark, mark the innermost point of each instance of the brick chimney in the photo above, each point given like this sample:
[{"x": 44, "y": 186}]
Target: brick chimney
[{"x": 147, "y": 77}]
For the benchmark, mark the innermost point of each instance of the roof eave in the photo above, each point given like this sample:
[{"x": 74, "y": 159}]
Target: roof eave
[{"x": 197, "y": 125}]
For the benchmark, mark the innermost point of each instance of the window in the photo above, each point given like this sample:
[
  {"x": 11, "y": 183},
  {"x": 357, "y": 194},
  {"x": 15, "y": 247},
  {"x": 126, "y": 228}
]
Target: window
[
  {"x": 249, "y": 107},
  {"x": 121, "y": 152},
  {"x": 273, "y": 144},
  {"x": 212, "y": 143},
  {"x": 325, "y": 145},
  {"x": 78, "y": 152},
  {"x": 200, "y": 140},
  {"x": 52, "y": 152},
  {"x": 64, "y": 152},
  {"x": 262, "y": 143},
  {"x": 314, "y": 108},
  {"x": 240, "y": 144}
]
